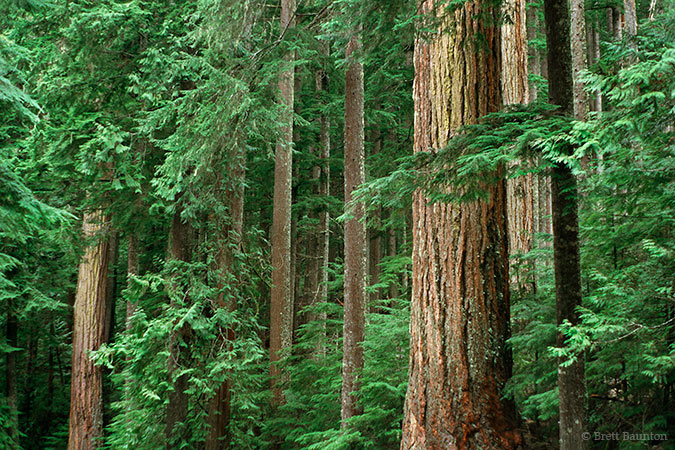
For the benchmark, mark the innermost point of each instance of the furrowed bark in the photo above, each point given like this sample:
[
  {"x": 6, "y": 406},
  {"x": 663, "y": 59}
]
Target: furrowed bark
[
  {"x": 281, "y": 301},
  {"x": 89, "y": 333},
  {"x": 459, "y": 358},
  {"x": 355, "y": 237}
]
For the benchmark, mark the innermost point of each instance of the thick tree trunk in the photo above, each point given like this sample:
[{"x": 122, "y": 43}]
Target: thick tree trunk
[
  {"x": 571, "y": 385},
  {"x": 459, "y": 358},
  {"x": 219, "y": 405},
  {"x": 281, "y": 302},
  {"x": 89, "y": 333},
  {"x": 177, "y": 409},
  {"x": 520, "y": 192},
  {"x": 355, "y": 237}
]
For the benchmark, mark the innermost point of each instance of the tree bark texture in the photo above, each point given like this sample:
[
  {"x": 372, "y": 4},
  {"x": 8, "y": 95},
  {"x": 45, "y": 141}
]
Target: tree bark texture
[
  {"x": 281, "y": 302},
  {"x": 459, "y": 358},
  {"x": 89, "y": 333},
  {"x": 355, "y": 236},
  {"x": 520, "y": 192},
  {"x": 571, "y": 380}
]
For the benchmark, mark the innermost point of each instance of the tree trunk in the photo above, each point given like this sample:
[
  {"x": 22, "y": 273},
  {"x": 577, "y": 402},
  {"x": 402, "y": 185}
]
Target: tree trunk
[
  {"x": 324, "y": 193},
  {"x": 459, "y": 358},
  {"x": 566, "y": 257},
  {"x": 89, "y": 329},
  {"x": 534, "y": 60},
  {"x": 133, "y": 268},
  {"x": 10, "y": 372},
  {"x": 520, "y": 191},
  {"x": 219, "y": 405},
  {"x": 355, "y": 236},
  {"x": 578, "y": 42},
  {"x": 281, "y": 302},
  {"x": 177, "y": 409}
]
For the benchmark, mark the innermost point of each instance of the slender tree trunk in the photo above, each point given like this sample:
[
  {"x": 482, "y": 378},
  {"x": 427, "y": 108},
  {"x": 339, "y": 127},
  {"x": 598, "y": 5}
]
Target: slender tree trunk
[
  {"x": 177, "y": 408},
  {"x": 219, "y": 405},
  {"x": 534, "y": 60},
  {"x": 281, "y": 302},
  {"x": 89, "y": 329},
  {"x": 520, "y": 191},
  {"x": 133, "y": 268},
  {"x": 355, "y": 237},
  {"x": 459, "y": 358},
  {"x": 375, "y": 235},
  {"x": 578, "y": 42},
  {"x": 10, "y": 372},
  {"x": 317, "y": 247},
  {"x": 391, "y": 252},
  {"x": 324, "y": 193},
  {"x": 571, "y": 384}
]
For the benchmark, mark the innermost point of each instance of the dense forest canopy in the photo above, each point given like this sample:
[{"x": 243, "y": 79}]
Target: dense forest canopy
[{"x": 356, "y": 224}]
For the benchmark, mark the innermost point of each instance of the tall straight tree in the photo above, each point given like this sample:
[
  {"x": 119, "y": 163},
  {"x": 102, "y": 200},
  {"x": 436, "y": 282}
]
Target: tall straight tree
[
  {"x": 177, "y": 409},
  {"x": 571, "y": 384},
  {"x": 281, "y": 301},
  {"x": 521, "y": 196},
  {"x": 89, "y": 333},
  {"x": 219, "y": 405},
  {"x": 355, "y": 235},
  {"x": 459, "y": 358}
]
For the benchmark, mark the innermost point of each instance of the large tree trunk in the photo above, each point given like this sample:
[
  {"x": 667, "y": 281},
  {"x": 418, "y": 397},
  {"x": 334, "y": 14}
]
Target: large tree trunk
[
  {"x": 459, "y": 358},
  {"x": 89, "y": 333},
  {"x": 520, "y": 192},
  {"x": 281, "y": 302},
  {"x": 355, "y": 236},
  {"x": 571, "y": 384},
  {"x": 219, "y": 405}
]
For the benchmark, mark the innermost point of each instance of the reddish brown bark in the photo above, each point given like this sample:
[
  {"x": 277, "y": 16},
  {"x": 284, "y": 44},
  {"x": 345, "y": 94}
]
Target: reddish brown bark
[
  {"x": 89, "y": 333},
  {"x": 459, "y": 359},
  {"x": 281, "y": 301},
  {"x": 355, "y": 237}
]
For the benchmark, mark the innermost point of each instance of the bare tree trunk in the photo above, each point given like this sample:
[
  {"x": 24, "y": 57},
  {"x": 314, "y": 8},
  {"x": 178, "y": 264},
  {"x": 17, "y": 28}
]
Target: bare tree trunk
[
  {"x": 281, "y": 302},
  {"x": 355, "y": 236},
  {"x": 520, "y": 191},
  {"x": 459, "y": 358},
  {"x": 571, "y": 380},
  {"x": 89, "y": 329},
  {"x": 578, "y": 42},
  {"x": 324, "y": 193}
]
